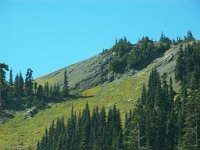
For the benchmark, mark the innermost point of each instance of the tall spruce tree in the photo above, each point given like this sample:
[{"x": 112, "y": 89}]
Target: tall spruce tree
[
  {"x": 21, "y": 85},
  {"x": 29, "y": 83},
  {"x": 11, "y": 78},
  {"x": 10, "y": 90},
  {"x": 65, "y": 86},
  {"x": 180, "y": 67},
  {"x": 191, "y": 137},
  {"x": 3, "y": 68}
]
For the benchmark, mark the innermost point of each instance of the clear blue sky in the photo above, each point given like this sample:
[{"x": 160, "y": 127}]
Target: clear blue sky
[{"x": 47, "y": 35}]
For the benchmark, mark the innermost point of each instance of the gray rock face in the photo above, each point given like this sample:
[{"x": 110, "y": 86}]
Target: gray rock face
[
  {"x": 86, "y": 74},
  {"x": 30, "y": 113},
  {"x": 94, "y": 71},
  {"x": 83, "y": 75},
  {"x": 166, "y": 64}
]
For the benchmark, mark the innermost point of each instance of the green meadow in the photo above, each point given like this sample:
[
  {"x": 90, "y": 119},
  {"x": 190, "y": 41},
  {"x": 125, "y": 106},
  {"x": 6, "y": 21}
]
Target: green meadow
[{"x": 123, "y": 93}]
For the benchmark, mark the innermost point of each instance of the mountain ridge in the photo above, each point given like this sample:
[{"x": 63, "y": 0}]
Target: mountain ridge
[
  {"x": 123, "y": 93},
  {"x": 92, "y": 71},
  {"x": 84, "y": 74}
]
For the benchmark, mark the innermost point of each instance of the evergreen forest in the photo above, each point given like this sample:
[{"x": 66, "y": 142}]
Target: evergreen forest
[{"x": 20, "y": 93}]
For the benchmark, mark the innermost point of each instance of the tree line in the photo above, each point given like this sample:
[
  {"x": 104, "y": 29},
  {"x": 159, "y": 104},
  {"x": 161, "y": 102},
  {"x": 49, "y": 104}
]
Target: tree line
[
  {"x": 21, "y": 93},
  {"x": 137, "y": 56}
]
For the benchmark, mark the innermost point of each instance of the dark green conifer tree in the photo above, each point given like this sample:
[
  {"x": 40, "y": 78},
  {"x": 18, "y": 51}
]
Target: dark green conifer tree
[
  {"x": 35, "y": 87},
  {"x": 46, "y": 90},
  {"x": 65, "y": 86},
  {"x": 191, "y": 137},
  {"x": 21, "y": 85},
  {"x": 11, "y": 78},
  {"x": 180, "y": 67},
  {"x": 29, "y": 83},
  {"x": 10, "y": 90},
  {"x": 3, "y": 68}
]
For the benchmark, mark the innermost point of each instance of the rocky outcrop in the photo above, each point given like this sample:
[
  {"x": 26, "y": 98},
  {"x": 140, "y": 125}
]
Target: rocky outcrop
[
  {"x": 94, "y": 71},
  {"x": 30, "y": 113},
  {"x": 82, "y": 75}
]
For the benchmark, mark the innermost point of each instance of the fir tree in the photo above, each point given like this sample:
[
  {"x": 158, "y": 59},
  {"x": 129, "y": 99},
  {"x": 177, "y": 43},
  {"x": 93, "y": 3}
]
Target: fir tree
[
  {"x": 191, "y": 137},
  {"x": 11, "y": 78},
  {"x": 3, "y": 68},
  {"x": 29, "y": 83},
  {"x": 65, "y": 87},
  {"x": 180, "y": 67}
]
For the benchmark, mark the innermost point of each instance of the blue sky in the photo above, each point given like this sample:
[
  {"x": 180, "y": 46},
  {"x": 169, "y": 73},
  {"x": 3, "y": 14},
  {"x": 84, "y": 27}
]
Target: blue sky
[{"x": 47, "y": 35}]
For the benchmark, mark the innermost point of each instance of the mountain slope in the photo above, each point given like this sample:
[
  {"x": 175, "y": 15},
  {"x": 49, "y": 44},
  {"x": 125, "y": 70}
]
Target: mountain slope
[
  {"x": 94, "y": 71},
  {"x": 82, "y": 75},
  {"x": 122, "y": 92}
]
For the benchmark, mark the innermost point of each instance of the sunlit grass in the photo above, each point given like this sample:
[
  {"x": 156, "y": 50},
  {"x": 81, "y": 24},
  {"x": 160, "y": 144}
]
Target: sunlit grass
[{"x": 123, "y": 93}]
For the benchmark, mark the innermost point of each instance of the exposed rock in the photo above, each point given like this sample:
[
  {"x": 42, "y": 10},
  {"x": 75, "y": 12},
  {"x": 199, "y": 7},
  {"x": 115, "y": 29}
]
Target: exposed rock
[
  {"x": 130, "y": 72},
  {"x": 166, "y": 64},
  {"x": 31, "y": 112},
  {"x": 85, "y": 74},
  {"x": 110, "y": 76},
  {"x": 49, "y": 105},
  {"x": 94, "y": 71}
]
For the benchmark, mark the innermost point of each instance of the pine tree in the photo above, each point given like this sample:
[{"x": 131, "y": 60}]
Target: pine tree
[
  {"x": 180, "y": 67},
  {"x": 35, "y": 87},
  {"x": 189, "y": 36},
  {"x": 10, "y": 90},
  {"x": 114, "y": 129},
  {"x": 65, "y": 87},
  {"x": 191, "y": 137},
  {"x": 16, "y": 86},
  {"x": 40, "y": 99},
  {"x": 21, "y": 85},
  {"x": 46, "y": 90},
  {"x": 132, "y": 132},
  {"x": 29, "y": 83},
  {"x": 3, "y": 68},
  {"x": 11, "y": 78},
  {"x": 83, "y": 144},
  {"x": 171, "y": 124},
  {"x": 40, "y": 92},
  {"x": 172, "y": 93},
  {"x": 55, "y": 93}
]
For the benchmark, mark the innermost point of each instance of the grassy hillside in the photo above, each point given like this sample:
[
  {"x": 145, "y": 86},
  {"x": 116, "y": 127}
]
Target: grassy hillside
[{"x": 121, "y": 92}]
